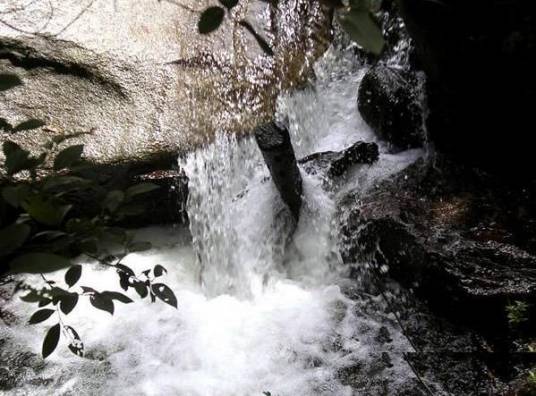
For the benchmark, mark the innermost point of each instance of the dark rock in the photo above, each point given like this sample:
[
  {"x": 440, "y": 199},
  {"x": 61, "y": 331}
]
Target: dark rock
[
  {"x": 420, "y": 227},
  {"x": 338, "y": 162},
  {"x": 276, "y": 147},
  {"x": 478, "y": 57},
  {"x": 388, "y": 101}
]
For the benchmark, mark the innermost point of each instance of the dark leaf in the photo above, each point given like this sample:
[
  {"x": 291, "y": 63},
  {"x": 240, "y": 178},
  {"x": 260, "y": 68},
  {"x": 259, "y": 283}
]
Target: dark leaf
[
  {"x": 141, "y": 289},
  {"x": 45, "y": 211},
  {"x": 141, "y": 188},
  {"x": 8, "y": 81},
  {"x": 125, "y": 269},
  {"x": 86, "y": 289},
  {"x": 44, "y": 302},
  {"x": 153, "y": 297},
  {"x": 113, "y": 200},
  {"x": 14, "y": 195},
  {"x": 51, "y": 340},
  {"x": 102, "y": 302},
  {"x": 73, "y": 275},
  {"x": 89, "y": 245},
  {"x": 123, "y": 281},
  {"x": 40, "y": 316},
  {"x": 35, "y": 263},
  {"x": 5, "y": 125},
  {"x": 158, "y": 270},
  {"x": 28, "y": 125},
  {"x": 139, "y": 246},
  {"x": 229, "y": 3},
  {"x": 260, "y": 40},
  {"x": 165, "y": 294},
  {"x": 76, "y": 345},
  {"x": 68, "y": 303},
  {"x": 17, "y": 159},
  {"x": 66, "y": 183},
  {"x": 146, "y": 272},
  {"x": 68, "y": 157},
  {"x": 49, "y": 235},
  {"x": 32, "y": 297},
  {"x": 13, "y": 237},
  {"x": 117, "y": 296},
  {"x": 210, "y": 20}
]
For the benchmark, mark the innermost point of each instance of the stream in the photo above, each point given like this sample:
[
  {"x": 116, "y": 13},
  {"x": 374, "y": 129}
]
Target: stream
[{"x": 261, "y": 311}]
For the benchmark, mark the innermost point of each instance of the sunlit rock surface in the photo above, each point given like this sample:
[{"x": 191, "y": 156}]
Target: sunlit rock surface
[{"x": 138, "y": 75}]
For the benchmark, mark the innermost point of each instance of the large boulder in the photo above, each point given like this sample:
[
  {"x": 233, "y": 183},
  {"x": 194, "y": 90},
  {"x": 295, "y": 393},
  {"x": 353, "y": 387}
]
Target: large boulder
[
  {"x": 456, "y": 237},
  {"x": 139, "y": 77},
  {"x": 389, "y": 102},
  {"x": 481, "y": 85}
]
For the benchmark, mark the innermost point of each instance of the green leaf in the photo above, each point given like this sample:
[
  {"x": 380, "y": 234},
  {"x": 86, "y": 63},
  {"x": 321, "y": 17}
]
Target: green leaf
[
  {"x": 158, "y": 270},
  {"x": 260, "y": 40},
  {"x": 12, "y": 237},
  {"x": 41, "y": 316},
  {"x": 210, "y": 20},
  {"x": 164, "y": 293},
  {"x": 73, "y": 275},
  {"x": 102, "y": 302},
  {"x": 8, "y": 81},
  {"x": 35, "y": 263},
  {"x": 140, "y": 246},
  {"x": 113, "y": 200},
  {"x": 28, "y": 125},
  {"x": 363, "y": 28},
  {"x": 68, "y": 157},
  {"x": 229, "y": 3},
  {"x": 117, "y": 296},
  {"x": 45, "y": 212},
  {"x": 14, "y": 195},
  {"x": 68, "y": 302},
  {"x": 51, "y": 340},
  {"x": 141, "y": 188}
]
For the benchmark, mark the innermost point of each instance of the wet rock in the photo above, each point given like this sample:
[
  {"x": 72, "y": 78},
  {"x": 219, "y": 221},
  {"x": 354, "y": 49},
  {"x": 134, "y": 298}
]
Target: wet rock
[
  {"x": 276, "y": 148},
  {"x": 337, "y": 163},
  {"x": 388, "y": 101},
  {"x": 419, "y": 226},
  {"x": 475, "y": 116}
]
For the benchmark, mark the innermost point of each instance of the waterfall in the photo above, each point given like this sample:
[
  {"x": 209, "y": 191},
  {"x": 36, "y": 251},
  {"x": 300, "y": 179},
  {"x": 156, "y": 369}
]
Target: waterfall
[{"x": 259, "y": 312}]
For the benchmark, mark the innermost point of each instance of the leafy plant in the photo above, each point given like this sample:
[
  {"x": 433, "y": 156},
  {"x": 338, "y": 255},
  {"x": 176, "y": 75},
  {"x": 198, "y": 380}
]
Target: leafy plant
[
  {"x": 517, "y": 312},
  {"x": 43, "y": 227}
]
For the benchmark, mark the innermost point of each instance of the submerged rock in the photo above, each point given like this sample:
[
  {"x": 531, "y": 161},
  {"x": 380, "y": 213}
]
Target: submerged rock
[{"x": 388, "y": 101}]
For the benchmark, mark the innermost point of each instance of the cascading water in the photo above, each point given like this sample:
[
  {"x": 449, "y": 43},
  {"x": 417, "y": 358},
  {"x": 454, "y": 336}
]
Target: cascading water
[{"x": 258, "y": 312}]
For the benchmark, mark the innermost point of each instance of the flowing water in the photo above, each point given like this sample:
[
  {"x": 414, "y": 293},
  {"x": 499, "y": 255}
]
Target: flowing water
[{"x": 260, "y": 312}]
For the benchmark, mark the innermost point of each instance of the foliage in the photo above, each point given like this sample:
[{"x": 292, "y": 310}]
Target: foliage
[
  {"x": 531, "y": 379},
  {"x": 517, "y": 312},
  {"x": 43, "y": 227},
  {"x": 357, "y": 19}
]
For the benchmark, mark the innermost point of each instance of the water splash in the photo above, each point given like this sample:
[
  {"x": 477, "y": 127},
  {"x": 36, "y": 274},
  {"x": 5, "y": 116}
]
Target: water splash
[{"x": 256, "y": 314}]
